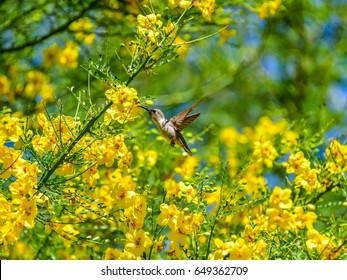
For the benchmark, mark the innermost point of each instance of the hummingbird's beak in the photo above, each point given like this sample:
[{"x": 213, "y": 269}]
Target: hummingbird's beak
[{"x": 143, "y": 108}]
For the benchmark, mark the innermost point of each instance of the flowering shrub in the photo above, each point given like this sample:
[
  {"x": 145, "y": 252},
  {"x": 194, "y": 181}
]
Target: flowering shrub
[{"x": 96, "y": 184}]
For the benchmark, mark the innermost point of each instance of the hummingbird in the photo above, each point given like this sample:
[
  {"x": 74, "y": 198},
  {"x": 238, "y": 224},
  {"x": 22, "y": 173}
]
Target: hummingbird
[{"x": 171, "y": 129}]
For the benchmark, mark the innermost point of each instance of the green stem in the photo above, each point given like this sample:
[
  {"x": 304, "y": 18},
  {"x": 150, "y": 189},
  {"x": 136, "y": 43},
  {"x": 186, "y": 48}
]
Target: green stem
[{"x": 211, "y": 233}]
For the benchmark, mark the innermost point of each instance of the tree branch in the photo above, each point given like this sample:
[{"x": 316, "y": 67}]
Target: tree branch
[{"x": 51, "y": 33}]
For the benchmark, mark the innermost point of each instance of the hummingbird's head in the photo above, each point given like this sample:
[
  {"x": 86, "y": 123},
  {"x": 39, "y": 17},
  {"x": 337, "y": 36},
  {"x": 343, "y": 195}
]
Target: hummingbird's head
[{"x": 155, "y": 114}]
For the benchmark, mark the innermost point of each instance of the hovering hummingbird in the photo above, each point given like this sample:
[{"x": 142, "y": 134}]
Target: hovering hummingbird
[{"x": 171, "y": 129}]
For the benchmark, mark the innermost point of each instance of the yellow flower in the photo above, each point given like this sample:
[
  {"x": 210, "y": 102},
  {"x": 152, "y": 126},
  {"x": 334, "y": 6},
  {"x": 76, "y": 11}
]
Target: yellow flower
[
  {"x": 269, "y": 8},
  {"x": 206, "y": 7},
  {"x": 4, "y": 86},
  {"x": 51, "y": 55},
  {"x": 336, "y": 156},
  {"x": 148, "y": 158},
  {"x": 10, "y": 159},
  {"x": 38, "y": 84},
  {"x": 239, "y": 250},
  {"x": 82, "y": 29},
  {"x": 187, "y": 192},
  {"x": 289, "y": 140},
  {"x": 187, "y": 168},
  {"x": 222, "y": 249},
  {"x": 11, "y": 128},
  {"x": 171, "y": 187},
  {"x": 316, "y": 241},
  {"x": 149, "y": 26},
  {"x": 280, "y": 198},
  {"x": 302, "y": 219},
  {"x": 137, "y": 241},
  {"x": 123, "y": 188},
  {"x": 183, "y": 4},
  {"x": 135, "y": 214},
  {"x": 65, "y": 169},
  {"x": 297, "y": 163},
  {"x": 229, "y": 136},
  {"x": 91, "y": 175},
  {"x": 124, "y": 107},
  {"x": 168, "y": 215},
  {"x": 308, "y": 180},
  {"x": 116, "y": 254},
  {"x": 260, "y": 250},
  {"x": 280, "y": 218},
  {"x": 68, "y": 56},
  {"x": 28, "y": 212},
  {"x": 266, "y": 128},
  {"x": 264, "y": 152}
]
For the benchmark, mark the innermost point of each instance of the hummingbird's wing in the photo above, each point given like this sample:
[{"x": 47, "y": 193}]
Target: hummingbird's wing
[
  {"x": 187, "y": 121},
  {"x": 181, "y": 120}
]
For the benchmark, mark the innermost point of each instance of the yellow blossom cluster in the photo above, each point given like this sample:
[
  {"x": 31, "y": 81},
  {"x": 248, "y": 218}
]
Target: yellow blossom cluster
[
  {"x": 233, "y": 250},
  {"x": 206, "y": 7},
  {"x": 336, "y": 154},
  {"x": 124, "y": 107},
  {"x": 306, "y": 177},
  {"x": 119, "y": 193},
  {"x": 58, "y": 132},
  {"x": 183, "y": 4},
  {"x": 269, "y": 8},
  {"x": 66, "y": 232},
  {"x": 5, "y": 87},
  {"x": 149, "y": 26},
  {"x": 65, "y": 57},
  {"x": 55, "y": 133},
  {"x": 181, "y": 223},
  {"x": 282, "y": 215},
  {"x": 83, "y": 30},
  {"x": 36, "y": 84},
  {"x": 148, "y": 157},
  {"x": 187, "y": 167},
  {"x": 261, "y": 140},
  {"x": 327, "y": 247},
  {"x": 19, "y": 210}
]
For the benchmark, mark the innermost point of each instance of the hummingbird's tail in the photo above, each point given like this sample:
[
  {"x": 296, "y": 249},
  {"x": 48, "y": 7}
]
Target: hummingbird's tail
[{"x": 183, "y": 143}]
